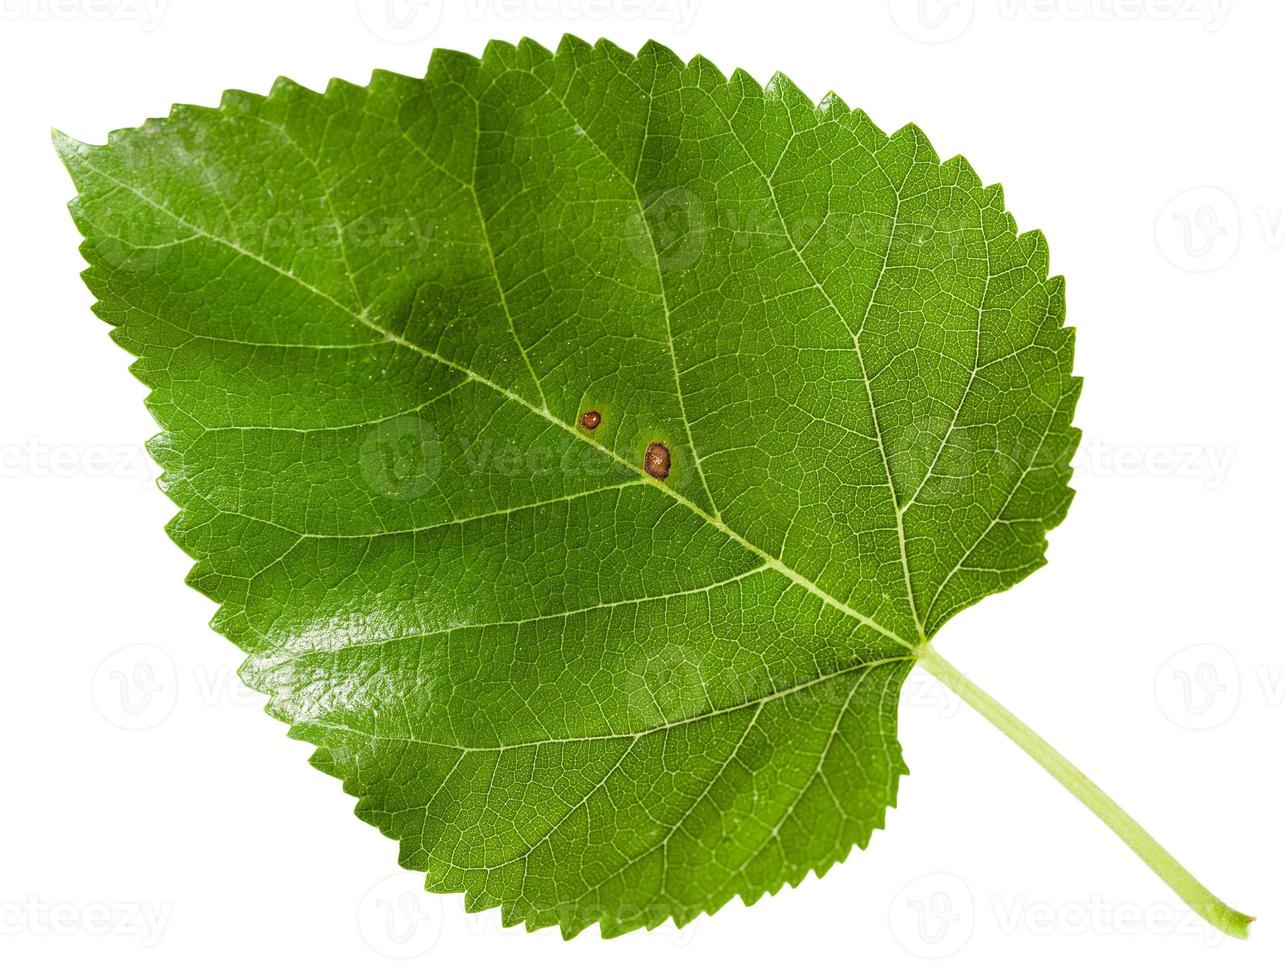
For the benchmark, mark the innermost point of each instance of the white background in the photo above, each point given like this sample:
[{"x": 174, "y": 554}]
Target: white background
[{"x": 154, "y": 823}]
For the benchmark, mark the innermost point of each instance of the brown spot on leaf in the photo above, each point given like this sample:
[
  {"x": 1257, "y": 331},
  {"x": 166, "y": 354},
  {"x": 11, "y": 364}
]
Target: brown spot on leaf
[
  {"x": 656, "y": 460},
  {"x": 590, "y": 420}
]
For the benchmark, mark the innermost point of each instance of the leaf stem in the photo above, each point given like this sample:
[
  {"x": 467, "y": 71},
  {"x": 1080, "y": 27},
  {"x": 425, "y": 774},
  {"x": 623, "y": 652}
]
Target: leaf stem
[{"x": 1214, "y": 911}]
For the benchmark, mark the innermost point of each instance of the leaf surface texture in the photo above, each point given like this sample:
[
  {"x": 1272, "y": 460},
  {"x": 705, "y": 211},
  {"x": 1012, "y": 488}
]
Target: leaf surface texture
[{"x": 371, "y": 320}]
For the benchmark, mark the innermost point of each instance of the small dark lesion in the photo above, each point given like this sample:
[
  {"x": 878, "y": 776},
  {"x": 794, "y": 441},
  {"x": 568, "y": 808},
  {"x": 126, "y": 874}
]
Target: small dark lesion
[
  {"x": 656, "y": 460},
  {"x": 590, "y": 420}
]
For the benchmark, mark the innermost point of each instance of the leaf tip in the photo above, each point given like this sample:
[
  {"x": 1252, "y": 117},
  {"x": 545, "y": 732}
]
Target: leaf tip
[
  {"x": 1036, "y": 246},
  {"x": 917, "y": 141},
  {"x": 531, "y": 47},
  {"x": 70, "y": 151},
  {"x": 964, "y": 172},
  {"x": 657, "y": 53},
  {"x": 832, "y": 104},
  {"x": 704, "y": 67},
  {"x": 603, "y": 45},
  {"x": 782, "y": 89},
  {"x": 574, "y": 44},
  {"x": 746, "y": 81},
  {"x": 497, "y": 50},
  {"x": 63, "y": 143}
]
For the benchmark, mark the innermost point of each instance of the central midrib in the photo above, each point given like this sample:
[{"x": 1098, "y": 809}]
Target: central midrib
[{"x": 772, "y": 561}]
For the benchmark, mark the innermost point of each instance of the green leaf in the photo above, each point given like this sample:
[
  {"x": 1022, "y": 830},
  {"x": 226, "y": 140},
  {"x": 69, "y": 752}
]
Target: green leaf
[{"x": 372, "y": 320}]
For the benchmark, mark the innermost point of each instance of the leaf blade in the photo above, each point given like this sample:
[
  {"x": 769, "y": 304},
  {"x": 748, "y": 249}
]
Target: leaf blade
[{"x": 495, "y": 330}]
